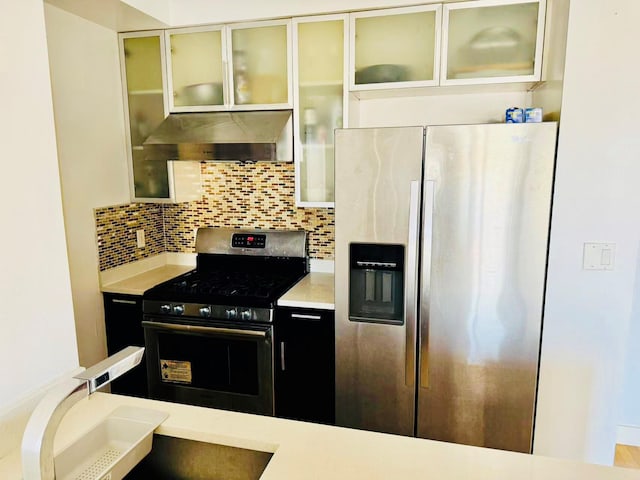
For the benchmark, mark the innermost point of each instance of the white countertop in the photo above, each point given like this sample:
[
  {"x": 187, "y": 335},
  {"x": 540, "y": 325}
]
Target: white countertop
[
  {"x": 311, "y": 451},
  {"x": 138, "y": 284},
  {"x": 315, "y": 290}
]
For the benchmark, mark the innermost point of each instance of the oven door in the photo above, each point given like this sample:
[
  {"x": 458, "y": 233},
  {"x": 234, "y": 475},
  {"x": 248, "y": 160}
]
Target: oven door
[{"x": 215, "y": 365}]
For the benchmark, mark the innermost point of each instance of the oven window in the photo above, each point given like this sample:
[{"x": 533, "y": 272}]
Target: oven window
[{"x": 221, "y": 364}]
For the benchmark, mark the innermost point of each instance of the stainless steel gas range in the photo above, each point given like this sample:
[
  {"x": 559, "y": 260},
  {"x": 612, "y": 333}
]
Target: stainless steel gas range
[{"x": 209, "y": 332}]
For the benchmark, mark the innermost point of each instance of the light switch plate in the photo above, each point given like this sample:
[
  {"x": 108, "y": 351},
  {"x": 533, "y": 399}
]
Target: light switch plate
[{"x": 599, "y": 256}]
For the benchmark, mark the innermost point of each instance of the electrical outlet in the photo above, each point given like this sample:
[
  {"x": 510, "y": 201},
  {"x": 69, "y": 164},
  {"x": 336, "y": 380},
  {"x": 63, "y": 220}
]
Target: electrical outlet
[{"x": 140, "y": 238}]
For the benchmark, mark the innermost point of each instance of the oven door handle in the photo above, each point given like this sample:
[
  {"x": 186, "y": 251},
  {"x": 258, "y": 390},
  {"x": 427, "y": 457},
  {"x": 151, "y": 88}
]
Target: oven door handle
[{"x": 200, "y": 329}]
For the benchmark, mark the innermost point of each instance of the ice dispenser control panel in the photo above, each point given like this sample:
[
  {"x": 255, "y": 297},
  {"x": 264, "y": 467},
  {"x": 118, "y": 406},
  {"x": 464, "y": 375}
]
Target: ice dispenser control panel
[{"x": 376, "y": 283}]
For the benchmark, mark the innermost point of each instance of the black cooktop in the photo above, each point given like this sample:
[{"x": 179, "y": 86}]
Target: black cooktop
[{"x": 231, "y": 281}]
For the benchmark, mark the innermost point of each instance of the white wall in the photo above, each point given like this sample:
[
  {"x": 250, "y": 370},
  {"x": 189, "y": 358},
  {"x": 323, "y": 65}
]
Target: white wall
[
  {"x": 89, "y": 118},
  {"x": 438, "y": 109},
  {"x": 38, "y": 342},
  {"x": 120, "y": 16},
  {"x": 588, "y": 313}
]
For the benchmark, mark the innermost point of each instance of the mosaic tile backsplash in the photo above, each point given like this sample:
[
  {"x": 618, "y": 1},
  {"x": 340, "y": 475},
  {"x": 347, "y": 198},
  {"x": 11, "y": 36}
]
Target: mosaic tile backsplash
[
  {"x": 116, "y": 233},
  {"x": 259, "y": 195}
]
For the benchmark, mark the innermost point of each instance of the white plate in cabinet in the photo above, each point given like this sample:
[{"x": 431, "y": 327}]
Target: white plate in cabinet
[{"x": 492, "y": 41}]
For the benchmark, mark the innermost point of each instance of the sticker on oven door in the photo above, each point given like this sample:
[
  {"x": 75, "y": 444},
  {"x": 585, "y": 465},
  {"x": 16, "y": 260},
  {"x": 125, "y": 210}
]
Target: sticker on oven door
[{"x": 175, "y": 371}]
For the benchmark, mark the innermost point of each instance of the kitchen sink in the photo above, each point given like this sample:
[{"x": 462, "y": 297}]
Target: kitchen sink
[{"x": 181, "y": 459}]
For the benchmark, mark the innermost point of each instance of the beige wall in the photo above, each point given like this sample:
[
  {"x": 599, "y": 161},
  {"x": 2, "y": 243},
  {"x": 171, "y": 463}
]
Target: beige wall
[
  {"x": 38, "y": 342},
  {"x": 89, "y": 119}
]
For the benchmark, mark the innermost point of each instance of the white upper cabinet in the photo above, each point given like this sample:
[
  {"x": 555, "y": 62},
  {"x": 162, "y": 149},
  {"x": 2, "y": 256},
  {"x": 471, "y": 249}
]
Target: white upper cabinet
[
  {"x": 260, "y": 64},
  {"x": 492, "y": 41},
  {"x": 143, "y": 75},
  {"x": 320, "y": 103},
  {"x": 196, "y": 64},
  {"x": 234, "y": 67},
  {"x": 395, "y": 48},
  {"x": 463, "y": 43}
]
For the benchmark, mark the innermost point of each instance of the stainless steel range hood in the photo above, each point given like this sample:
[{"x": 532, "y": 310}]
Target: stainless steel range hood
[{"x": 253, "y": 136}]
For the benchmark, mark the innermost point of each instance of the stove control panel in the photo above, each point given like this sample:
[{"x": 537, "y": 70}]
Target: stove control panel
[
  {"x": 248, "y": 240},
  {"x": 209, "y": 312}
]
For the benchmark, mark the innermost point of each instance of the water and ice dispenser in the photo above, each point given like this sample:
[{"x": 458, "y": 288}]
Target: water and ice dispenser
[{"x": 376, "y": 283}]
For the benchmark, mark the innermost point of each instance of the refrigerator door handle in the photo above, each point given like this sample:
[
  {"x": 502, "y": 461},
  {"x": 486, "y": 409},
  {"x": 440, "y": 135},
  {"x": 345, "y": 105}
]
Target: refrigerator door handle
[
  {"x": 411, "y": 296},
  {"x": 427, "y": 246}
]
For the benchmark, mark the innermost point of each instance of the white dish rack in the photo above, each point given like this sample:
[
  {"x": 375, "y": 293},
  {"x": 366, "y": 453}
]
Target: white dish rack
[{"x": 112, "y": 448}]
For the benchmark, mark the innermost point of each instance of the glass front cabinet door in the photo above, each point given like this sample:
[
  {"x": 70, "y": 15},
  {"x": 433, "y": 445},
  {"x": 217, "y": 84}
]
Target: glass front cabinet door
[
  {"x": 394, "y": 48},
  {"x": 233, "y": 67},
  {"x": 492, "y": 41},
  {"x": 145, "y": 107},
  {"x": 320, "y": 103},
  {"x": 196, "y": 69},
  {"x": 260, "y": 73}
]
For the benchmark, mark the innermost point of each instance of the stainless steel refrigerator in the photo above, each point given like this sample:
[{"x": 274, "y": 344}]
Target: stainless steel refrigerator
[{"x": 440, "y": 261}]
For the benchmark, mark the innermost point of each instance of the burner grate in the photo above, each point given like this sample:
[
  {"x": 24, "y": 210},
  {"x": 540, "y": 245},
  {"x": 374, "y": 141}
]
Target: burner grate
[{"x": 228, "y": 284}]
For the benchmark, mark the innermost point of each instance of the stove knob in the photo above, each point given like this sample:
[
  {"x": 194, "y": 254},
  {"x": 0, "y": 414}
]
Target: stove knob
[
  {"x": 230, "y": 313},
  {"x": 178, "y": 309},
  {"x": 165, "y": 308},
  {"x": 245, "y": 314},
  {"x": 205, "y": 312}
]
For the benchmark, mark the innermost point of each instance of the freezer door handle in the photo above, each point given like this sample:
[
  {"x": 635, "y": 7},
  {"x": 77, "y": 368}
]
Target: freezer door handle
[
  {"x": 411, "y": 296},
  {"x": 427, "y": 246}
]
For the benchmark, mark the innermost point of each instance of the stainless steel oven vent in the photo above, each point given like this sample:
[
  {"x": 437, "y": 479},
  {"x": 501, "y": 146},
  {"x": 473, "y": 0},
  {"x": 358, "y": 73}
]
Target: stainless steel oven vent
[{"x": 223, "y": 136}]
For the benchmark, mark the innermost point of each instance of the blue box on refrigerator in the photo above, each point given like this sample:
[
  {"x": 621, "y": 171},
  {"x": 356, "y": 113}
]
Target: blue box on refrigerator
[
  {"x": 533, "y": 115},
  {"x": 514, "y": 115}
]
